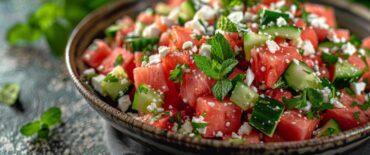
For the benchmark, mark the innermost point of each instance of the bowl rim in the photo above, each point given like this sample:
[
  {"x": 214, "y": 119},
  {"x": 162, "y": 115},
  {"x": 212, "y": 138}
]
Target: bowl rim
[{"x": 181, "y": 139}]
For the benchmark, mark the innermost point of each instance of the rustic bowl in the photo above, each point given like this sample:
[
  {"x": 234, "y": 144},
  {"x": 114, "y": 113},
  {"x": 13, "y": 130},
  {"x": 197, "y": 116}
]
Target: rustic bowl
[{"x": 93, "y": 26}]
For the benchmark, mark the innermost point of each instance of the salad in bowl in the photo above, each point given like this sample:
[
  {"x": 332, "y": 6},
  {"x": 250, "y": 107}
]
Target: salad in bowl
[{"x": 241, "y": 71}]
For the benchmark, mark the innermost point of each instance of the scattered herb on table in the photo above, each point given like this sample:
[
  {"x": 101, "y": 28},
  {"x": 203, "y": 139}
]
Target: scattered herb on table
[
  {"x": 9, "y": 93},
  {"x": 41, "y": 127}
]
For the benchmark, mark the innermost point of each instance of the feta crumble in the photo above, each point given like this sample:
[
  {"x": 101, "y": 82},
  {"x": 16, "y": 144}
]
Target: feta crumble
[
  {"x": 249, "y": 77},
  {"x": 281, "y": 22},
  {"x": 349, "y": 49},
  {"x": 154, "y": 59},
  {"x": 308, "y": 48},
  {"x": 124, "y": 103},
  {"x": 236, "y": 17},
  {"x": 358, "y": 87},
  {"x": 272, "y": 46},
  {"x": 96, "y": 83},
  {"x": 163, "y": 51},
  {"x": 152, "y": 31},
  {"x": 245, "y": 129},
  {"x": 187, "y": 45}
]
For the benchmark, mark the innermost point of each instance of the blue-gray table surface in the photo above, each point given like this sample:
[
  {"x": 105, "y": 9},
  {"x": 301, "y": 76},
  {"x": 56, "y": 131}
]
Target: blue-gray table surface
[{"x": 45, "y": 83}]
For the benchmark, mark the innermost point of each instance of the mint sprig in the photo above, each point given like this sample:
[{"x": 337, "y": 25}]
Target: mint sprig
[
  {"x": 41, "y": 127},
  {"x": 177, "y": 74},
  {"x": 219, "y": 65},
  {"x": 225, "y": 24}
]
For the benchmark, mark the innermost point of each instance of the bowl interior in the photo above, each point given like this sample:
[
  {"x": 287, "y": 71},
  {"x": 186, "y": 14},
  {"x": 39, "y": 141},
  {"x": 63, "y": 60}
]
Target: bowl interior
[{"x": 93, "y": 27}]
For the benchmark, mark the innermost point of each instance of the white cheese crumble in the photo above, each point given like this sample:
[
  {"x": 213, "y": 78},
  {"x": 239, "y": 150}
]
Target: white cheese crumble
[
  {"x": 89, "y": 71},
  {"x": 186, "y": 127},
  {"x": 153, "y": 107},
  {"x": 326, "y": 92},
  {"x": 211, "y": 104},
  {"x": 174, "y": 14},
  {"x": 272, "y": 46},
  {"x": 316, "y": 21},
  {"x": 336, "y": 103},
  {"x": 152, "y": 31},
  {"x": 349, "y": 49},
  {"x": 236, "y": 17},
  {"x": 219, "y": 134},
  {"x": 167, "y": 21},
  {"x": 124, "y": 103},
  {"x": 205, "y": 50},
  {"x": 96, "y": 83},
  {"x": 200, "y": 119},
  {"x": 358, "y": 87},
  {"x": 308, "y": 48},
  {"x": 154, "y": 59},
  {"x": 249, "y": 77},
  {"x": 205, "y": 13},
  {"x": 245, "y": 129},
  {"x": 187, "y": 45},
  {"x": 308, "y": 106},
  {"x": 163, "y": 51},
  {"x": 249, "y": 16},
  {"x": 281, "y": 22},
  {"x": 196, "y": 26}
]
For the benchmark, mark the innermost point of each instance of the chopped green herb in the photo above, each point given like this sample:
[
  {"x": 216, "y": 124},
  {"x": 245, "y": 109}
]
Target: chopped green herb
[
  {"x": 329, "y": 58},
  {"x": 41, "y": 127},
  {"x": 349, "y": 91},
  {"x": 237, "y": 140},
  {"x": 222, "y": 88},
  {"x": 225, "y": 24},
  {"x": 357, "y": 115},
  {"x": 280, "y": 84},
  {"x": 119, "y": 60},
  {"x": 157, "y": 116},
  {"x": 9, "y": 93},
  {"x": 111, "y": 78},
  {"x": 177, "y": 73},
  {"x": 365, "y": 106}
]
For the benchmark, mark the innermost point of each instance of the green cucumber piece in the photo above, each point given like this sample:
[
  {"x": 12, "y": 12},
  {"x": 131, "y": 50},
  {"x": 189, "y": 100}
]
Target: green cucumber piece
[
  {"x": 345, "y": 73},
  {"x": 330, "y": 128},
  {"x": 268, "y": 16},
  {"x": 289, "y": 32},
  {"x": 162, "y": 9},
  {"x": 328, "y": 45},
  {"x": 140, "y": 44},
  {"x": 243, "y": 96},
  {"x": 187, "y": 10},
  {"x": 225, "y": 24},
  {"x": 112, "y": 30},
  {"x": 116, "y": 83},
  {"x": 252, "y": 40},
  {"x": 266, "y": 115},
  {"x": 144, "y": 96},
  {"x": 299, "y": 76}
]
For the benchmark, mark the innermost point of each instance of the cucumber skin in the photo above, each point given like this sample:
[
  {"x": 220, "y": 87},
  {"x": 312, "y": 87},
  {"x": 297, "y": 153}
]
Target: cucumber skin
[
  {"x": 345, "y": 73},
  {"x": 243, "y": 96},
  {"x": 323, "y": 132},
  {"x": 138, "y": 44},
  {"x": 301, "y": 80},
  {"x": 266, "y": 115},
  {"x": 252, "y": 40},
  {"x": 272, "y": 16},
  {"x": 289, "y": 32}
]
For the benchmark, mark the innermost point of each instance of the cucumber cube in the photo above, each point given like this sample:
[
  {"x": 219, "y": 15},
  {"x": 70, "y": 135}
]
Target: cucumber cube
[
  {"x": 345, "y": 73},
  {"x": 145, "y": 96},
  {"x": 243, "y": 96},
  {"x": 299, "y": 76},
  {"x": 252, "y": 40},
  {"x": 330, "y": 128},
  {"x": 116, "y": 83}
]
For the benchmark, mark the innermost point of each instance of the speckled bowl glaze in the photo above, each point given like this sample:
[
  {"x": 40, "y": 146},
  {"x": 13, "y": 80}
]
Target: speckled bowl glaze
[{"x": 170, "y": 143}]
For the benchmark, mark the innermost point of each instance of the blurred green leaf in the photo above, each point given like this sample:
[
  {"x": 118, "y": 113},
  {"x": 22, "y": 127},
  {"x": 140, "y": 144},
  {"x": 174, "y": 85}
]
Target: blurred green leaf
[
  {"x": 31, "y": 128},
  {"x": 52, "y": 116},
  {"x": 22, "y": 32},
  {"x": 46, "y": 16}
]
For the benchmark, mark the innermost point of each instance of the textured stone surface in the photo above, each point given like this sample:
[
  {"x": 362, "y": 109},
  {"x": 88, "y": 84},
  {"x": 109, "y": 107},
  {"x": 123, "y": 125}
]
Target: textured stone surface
[{"x": 44, "y": 84}]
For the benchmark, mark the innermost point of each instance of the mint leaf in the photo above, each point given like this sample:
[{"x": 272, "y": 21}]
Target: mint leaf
[
  {"x": 31, "y": 128},
  {"x": 207, "y": 66},
  {"x": 119, "y": 60},
  {"x": 111, "y": 78},
  {"x": 329, "y": 58},
  {"x": 222, "y": 88},
  {"x": 52, "y": 116},
  {"x": 220, "y": 48},
  {"x": 315, "y": 97},
  {"x": 228, "y": 66},
  {"x": 177, "y": 73},
  {"x": 43, "y": 133},
  {"x": 22, "y": 32},
  {"x": 225, "y": 24},
  {"x": 199, "y": 125},
  {"x": 9, "y": 93},
  {"x": 357, "y": 115}
]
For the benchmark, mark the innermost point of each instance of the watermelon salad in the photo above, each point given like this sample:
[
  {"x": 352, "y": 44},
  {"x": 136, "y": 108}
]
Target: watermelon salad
[{"x": 241, "y": 71}]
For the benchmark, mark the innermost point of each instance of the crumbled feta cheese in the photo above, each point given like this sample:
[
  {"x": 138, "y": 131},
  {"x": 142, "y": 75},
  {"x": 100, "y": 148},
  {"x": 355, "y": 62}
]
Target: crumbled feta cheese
[
  {"x": 308, "y": 48},
  {"x": 236, "y": 136},
  {"x": 196, "y": 26},
  {"x": 349, "y": 49},
  {"x": 326, "y": 92},
  {"x": 236, "y": 17},
  {"x": 152, "y": 31},
  {"x": 124, "y": 81},
  {"x": 187, "y": 45},
  {"x": 219, "y": 134},
  {"x": 245, "y": 129},
  {"x": 174, "y": 14},
  {"x": 96, "y": 83},
  {"x": 124, "y": 103},
  {"x": 205, "y": 50},
  {"x": 358, "y": 87},
  {"x": 249, "y": 77},
  {"x": 167, "y": 21},
  {"x": 154, "y": 59},
  {"x": 307, "y": 108},
  {"x": 205, "y": 13},
  {"x": 186, "y": 127},
  {"x": 89, "y": 71},
  {"x": 211, "y": 104},
  {"x": 272, "y": 46},
  {"x": 316, "y": 21},
  {"x": 336, "y": 103},
  {"x": 296, "y": 61},
  {"x": 249, "y": 16},
  {"x": 200, "y": 119},
  {"x": 163, "y": 50},
  {"x": 362, "y": 51},
  {"x": 281, "y": 22}
]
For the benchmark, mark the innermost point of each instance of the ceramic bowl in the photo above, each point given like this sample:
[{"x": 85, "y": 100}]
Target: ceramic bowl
[{"x": 93, "y": 27}]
